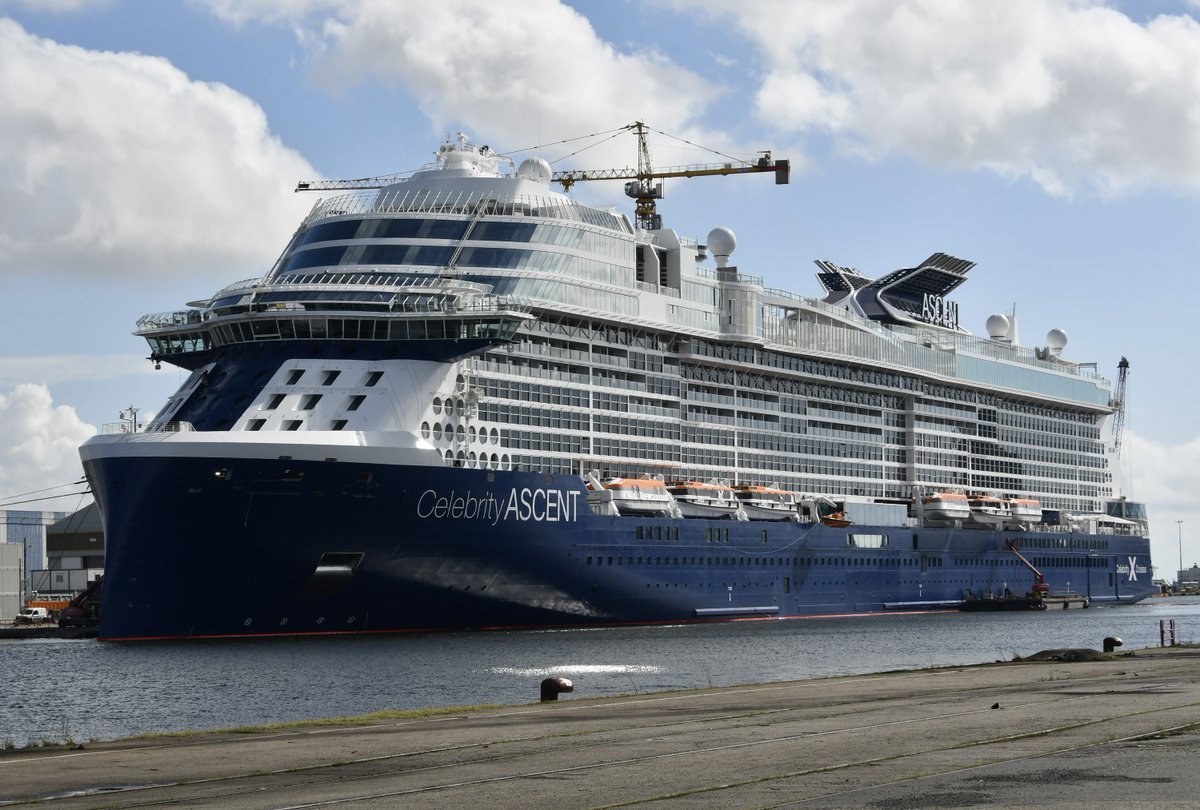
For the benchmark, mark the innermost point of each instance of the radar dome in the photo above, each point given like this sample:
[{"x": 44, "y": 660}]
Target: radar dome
[
  {"x": 1056, "y": 339},
  {"x": 721, "y": 242},
  {"x": 998, "y": 326},
  {"x": 535, "y": 169}
]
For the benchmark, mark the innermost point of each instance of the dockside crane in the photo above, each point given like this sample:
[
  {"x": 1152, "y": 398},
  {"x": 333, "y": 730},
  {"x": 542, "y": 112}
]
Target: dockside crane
[
  {"x": 641, "y": 187},
  {"x": 1118, "y": 403}
]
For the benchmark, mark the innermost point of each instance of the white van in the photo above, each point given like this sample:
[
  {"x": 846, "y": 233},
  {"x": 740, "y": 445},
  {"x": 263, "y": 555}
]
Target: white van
[{"x": 32, "y": 615}]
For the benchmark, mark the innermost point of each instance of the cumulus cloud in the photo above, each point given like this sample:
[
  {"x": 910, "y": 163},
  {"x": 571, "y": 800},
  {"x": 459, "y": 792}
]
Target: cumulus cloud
[
  {"x": 39, "y": 443},
  {"x": 514, "y": 74},
  {"x": 1069, "y": 93},
  {"x": 109, "y": 159},
  {"x": 57, "y": 6},
  {"x": 1167, "y": 478}
]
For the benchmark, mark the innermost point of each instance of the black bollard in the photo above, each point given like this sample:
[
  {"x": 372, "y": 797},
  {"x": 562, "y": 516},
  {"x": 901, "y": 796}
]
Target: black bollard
[
  {"x": 553, "y": 687},
  {"x": 1111, "y": 643}
]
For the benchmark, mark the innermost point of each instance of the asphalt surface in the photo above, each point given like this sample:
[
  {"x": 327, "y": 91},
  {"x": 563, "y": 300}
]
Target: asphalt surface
[{"x": 1114, "y": 733}]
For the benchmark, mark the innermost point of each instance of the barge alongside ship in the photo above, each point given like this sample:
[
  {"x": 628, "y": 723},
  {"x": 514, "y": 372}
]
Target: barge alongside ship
[{"x": 465, "y": 400}]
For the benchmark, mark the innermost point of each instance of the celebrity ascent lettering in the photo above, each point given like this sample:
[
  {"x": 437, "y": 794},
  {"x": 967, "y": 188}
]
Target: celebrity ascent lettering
[{"x": 525, "y": 504}]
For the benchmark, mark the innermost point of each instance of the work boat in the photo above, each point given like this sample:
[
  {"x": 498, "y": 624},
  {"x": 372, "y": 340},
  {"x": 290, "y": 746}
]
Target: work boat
[{"x": 392, "y": 427}]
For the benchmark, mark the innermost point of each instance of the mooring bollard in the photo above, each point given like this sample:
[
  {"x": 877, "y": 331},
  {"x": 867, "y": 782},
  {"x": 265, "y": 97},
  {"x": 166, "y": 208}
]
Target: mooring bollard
[
  {"x": 1111, "y": 643},
  {"x": 553, "y": 687}
]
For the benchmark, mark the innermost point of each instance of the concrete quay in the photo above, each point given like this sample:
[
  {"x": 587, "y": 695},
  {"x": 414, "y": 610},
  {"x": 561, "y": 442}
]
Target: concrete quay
[{"x": 1120, "y": 732}]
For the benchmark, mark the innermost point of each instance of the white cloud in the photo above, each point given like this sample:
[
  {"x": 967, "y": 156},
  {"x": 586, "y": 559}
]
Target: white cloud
[
  {"x": 58, "y": 6},
  {"x": 39, "y": 443},
  {"x": 1069, "y": 93},
  {"x": 119, "y": 164},
  {"x": 1167, "y": 478},
  {"x": 515, "y": 75}
]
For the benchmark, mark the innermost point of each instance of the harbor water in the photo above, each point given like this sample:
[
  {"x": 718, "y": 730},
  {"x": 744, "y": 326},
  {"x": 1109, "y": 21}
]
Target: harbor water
[{"x": 75, "y": 691}]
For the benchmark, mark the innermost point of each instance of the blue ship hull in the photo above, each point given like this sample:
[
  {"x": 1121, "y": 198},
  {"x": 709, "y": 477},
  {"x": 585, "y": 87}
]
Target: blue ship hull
[{"x": 208, "y": 547}]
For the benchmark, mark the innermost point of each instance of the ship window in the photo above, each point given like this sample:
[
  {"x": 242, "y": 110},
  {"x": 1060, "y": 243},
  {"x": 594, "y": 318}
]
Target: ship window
[
  {"x": 292, "y": 424},
  {"x": 589, "y": 560},
  {"x": 338, "y": 424},
  {"x": 255, "y": 424},
  {"x": 437, "y": 405},
  {"x": 274, "y": 402},
  {"x": 309, "y": 401},
  {"x": 294, "y": 376},
  {"x": 373, "y": 378},
  {"x": 355, "y": 402},
  {"x": 424, "y": 430},
  {"x": 330, "y": 376}
]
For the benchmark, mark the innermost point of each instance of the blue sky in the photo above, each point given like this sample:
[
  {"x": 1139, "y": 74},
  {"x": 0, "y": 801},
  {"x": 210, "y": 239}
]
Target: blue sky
[{"x": 148, "y": 151}]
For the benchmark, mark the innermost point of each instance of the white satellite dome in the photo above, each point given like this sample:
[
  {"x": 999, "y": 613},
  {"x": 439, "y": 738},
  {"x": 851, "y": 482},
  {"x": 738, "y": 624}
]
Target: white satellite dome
[
  {"x": 535, "y": 169},
  {"x": 721, "y": 242},
  {"x": 1056, "y": 340},
  {"x": 998, "y": 326}
]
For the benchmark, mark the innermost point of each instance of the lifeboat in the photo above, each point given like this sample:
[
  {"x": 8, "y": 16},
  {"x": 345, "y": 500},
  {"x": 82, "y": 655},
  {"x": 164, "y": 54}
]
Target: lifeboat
[
  {"x": 767, "y": 503},
  {"x": 700, "y": 499},
  {"x": 988, "y": 510},
  {"x": 947, "y": 507},
  {"x": 631, "y": 496},
  {"x": 1025, "y": 512}
]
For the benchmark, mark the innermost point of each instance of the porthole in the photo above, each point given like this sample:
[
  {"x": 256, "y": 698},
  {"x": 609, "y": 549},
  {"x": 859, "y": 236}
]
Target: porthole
[
  {"x": 448, "y": 405},
  {"x": 437, "y": 431},
  {"x": 495, "y": 436},
  {"x": 246, "y": 623},
  {"x": 471, "y": 458},
  {"x": 471, "y": 434},
  {"x": 437, "y": 405},
  {"x": 425, "y": 431},
  {"x": 462, "y": 433}
]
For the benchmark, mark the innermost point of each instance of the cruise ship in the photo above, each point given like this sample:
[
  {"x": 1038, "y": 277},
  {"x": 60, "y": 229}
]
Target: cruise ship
[{"x": 465, "y": 399}]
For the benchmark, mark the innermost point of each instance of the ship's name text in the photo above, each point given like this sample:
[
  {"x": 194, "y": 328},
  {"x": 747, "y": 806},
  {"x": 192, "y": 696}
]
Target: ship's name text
[
  {"x": 939, "y": 311},
  {"x": 524, "y": 504}
]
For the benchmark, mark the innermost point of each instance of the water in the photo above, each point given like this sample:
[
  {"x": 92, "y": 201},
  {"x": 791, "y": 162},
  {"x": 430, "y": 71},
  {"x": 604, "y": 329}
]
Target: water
[{"x": 56, "y": 691}]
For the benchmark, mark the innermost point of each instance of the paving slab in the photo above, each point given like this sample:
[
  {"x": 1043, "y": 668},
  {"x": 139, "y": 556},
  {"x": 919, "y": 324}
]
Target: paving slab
[{"x": 1124, "y": 731}]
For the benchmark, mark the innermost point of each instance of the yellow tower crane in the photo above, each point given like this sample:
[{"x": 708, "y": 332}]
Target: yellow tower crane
[{"x": 641, "y": 187}]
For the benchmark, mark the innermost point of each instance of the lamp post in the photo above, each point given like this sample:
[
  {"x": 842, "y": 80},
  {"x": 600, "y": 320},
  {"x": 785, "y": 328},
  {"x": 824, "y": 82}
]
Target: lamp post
[{"x": 1179, "y": 576}]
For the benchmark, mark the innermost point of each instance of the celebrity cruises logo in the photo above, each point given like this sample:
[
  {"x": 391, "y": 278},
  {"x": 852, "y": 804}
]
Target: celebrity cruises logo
[
  {"x": 525, "y": 504},
  {"x": 1133, "y": 569}
]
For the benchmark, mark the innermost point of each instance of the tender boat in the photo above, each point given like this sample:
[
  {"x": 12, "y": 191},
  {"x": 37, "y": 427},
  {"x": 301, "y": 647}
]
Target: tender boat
[
  {"x": 945, "y": 507},
  {"x": 988, "y": 510},
  {"x": 631, "y": 496},
  {"x": 1025, "y": 512},
  {"x": 701, "y": 499},
  {"x": 767, "y": 503}
]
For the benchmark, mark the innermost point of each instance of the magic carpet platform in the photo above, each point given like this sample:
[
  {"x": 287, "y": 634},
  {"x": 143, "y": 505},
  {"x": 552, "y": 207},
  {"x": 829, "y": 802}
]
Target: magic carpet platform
[{"x": 1120, "y": 732}]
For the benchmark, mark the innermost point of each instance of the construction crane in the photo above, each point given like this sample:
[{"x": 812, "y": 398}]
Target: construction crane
[
  {"x": 646, "y": 192},
  {"x": 1118, "y": 403},
  {"x": 641, "y": 186},
  {"x": 1040, "y": 589}
]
